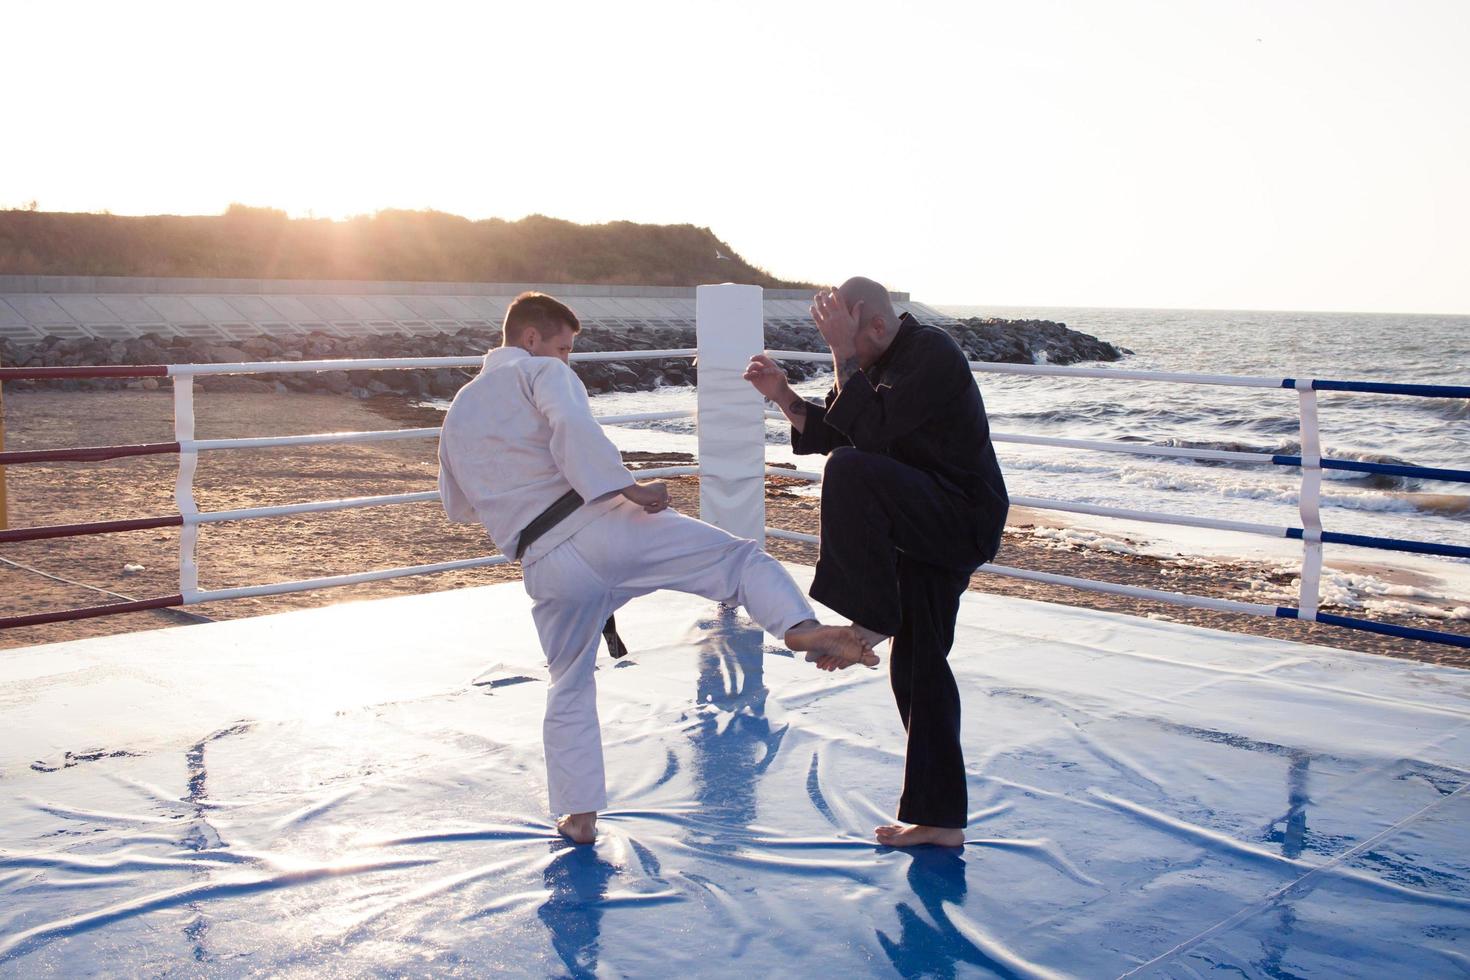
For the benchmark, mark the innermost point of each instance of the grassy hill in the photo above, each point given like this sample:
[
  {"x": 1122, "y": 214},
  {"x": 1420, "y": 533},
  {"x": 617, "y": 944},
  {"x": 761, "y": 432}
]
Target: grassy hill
[{"x": 262, "y": 243}]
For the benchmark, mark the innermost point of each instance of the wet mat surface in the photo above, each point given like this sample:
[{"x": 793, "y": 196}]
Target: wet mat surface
[{"x": 359, "y": 790}]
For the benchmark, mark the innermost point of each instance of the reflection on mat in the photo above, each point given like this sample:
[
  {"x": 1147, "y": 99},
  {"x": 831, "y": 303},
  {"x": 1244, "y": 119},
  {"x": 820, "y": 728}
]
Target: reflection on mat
[{"x": 1146, "y": 797}]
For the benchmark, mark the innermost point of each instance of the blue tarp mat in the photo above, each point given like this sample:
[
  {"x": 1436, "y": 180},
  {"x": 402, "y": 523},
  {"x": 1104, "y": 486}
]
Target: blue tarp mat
[{"x": 359, "y": 790}]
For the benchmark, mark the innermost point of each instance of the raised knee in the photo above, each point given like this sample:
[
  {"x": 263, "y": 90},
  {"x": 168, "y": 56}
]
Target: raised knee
[
  {"x": 845, "y": 462},
  {"x": 848, "y": 470}
]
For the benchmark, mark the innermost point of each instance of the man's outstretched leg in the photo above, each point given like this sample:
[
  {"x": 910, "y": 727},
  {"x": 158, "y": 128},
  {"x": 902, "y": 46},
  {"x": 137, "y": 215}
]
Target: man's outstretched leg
[
  {"x": 625, "y": 554},
  {"x": 934, "y": 802},
  {"x": 643, "y": 553}
]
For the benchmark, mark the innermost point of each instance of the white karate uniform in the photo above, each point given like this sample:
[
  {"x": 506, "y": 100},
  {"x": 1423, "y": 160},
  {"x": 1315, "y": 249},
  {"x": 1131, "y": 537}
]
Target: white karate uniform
[{"x": 517, "y": 438}]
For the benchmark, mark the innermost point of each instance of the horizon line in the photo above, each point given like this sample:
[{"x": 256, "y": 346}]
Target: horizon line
[{"x": 1189, "y": 309}]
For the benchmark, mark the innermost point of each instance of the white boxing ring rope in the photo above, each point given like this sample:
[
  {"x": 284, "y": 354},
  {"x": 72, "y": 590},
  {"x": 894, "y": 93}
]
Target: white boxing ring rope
[
  {"x": 733, "y": 475},
  {"x": 1091, "y": 585},
  {"x": 183, "y": 376},
  {"x": 1068, "y": 507}
]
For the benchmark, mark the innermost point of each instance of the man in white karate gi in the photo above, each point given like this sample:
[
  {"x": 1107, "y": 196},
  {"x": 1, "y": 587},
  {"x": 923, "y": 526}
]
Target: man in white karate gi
[{"x": 521, "y": 453}]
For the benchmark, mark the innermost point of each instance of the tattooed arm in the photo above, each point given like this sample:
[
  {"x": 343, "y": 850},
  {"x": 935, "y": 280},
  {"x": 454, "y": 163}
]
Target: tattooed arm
[
  {"x": 844, "y": 365},
  {"x": 770, "y": 380},
  {"x": 795, "y": 411}
]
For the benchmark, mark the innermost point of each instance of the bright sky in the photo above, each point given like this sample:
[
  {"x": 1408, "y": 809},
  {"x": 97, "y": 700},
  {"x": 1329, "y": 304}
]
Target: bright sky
[{"x": 1276, "y": 154}]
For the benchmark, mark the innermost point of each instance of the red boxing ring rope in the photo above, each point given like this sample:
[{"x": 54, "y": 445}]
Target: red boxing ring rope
[
  {"x": 93, "y": 527},
  {"x": 90, "y": 612},
  {"x": 87, "y": 454},
  {"x": 98, "y": 371}
]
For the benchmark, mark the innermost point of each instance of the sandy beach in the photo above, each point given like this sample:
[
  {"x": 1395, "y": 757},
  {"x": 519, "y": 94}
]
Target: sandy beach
[{"x": 63, "y": 573}]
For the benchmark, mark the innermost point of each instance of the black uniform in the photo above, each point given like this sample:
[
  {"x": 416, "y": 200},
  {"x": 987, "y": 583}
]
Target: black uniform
[{"x": 913, "y": 502}]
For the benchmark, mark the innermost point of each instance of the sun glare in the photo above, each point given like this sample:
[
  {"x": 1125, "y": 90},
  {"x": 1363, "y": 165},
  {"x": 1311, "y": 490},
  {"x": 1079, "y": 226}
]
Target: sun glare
[{"x": 1131, "y": 153}]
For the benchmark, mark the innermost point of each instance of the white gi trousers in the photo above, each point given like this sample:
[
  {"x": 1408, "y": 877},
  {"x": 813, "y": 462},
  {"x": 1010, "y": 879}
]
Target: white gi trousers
[{"x": 624, "y": 554}]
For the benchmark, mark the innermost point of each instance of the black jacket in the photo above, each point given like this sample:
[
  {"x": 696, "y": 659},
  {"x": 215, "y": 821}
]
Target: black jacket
[{"x": 920, "y": 405}]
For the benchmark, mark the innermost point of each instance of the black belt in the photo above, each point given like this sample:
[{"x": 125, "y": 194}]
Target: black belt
[{"x": 561, "y": 508}]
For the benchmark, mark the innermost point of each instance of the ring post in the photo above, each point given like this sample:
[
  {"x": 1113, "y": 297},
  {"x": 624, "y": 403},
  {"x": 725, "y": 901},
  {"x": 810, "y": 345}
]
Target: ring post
[
  {"x": 184, "y": 487},
  {"x": 731, "y": 415},
  {"x": 1309, "y": 505}
]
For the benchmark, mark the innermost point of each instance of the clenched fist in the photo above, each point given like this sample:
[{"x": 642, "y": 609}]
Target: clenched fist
[{"x": 652, "y": 496}]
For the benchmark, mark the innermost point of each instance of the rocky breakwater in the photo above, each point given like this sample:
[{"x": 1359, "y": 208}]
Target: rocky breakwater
[
  {"x": 1031, "y": 342},
  {"x": 985, "y": 339},
  {"x": 599, "y": 376},
  {"x": 1011, "y": 341}
]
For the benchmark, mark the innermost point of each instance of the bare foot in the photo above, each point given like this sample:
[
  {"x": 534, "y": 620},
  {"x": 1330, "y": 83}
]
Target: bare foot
[
  {"x": 898, "y": 835},
  {"x": 838, "y": 646},
  {"x": 829, "y": 663},
  {"x": 579, "y": 828}
]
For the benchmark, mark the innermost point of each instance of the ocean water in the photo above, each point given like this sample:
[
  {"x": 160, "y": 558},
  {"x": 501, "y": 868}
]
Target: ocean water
[
  {"x": 1425, "y": 432},
  {"x": 1401, "y": 348}
]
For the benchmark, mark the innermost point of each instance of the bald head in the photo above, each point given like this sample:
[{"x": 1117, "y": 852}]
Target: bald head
[
  {"x": 874, "y": 298},
  {"x": 877, "y": 323}
]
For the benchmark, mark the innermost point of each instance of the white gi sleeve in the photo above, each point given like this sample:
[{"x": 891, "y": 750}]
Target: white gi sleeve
[
  {"x": 457, "y": 506},
  {"x": 583, "y": 453}
]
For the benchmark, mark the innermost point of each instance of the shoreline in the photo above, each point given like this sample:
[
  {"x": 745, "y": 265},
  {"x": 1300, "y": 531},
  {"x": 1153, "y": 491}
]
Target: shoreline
[{"x": 322, "y": 544}]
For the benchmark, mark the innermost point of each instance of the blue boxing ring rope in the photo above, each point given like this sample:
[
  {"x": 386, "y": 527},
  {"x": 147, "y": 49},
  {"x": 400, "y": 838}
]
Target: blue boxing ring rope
[{"x": 1310, "y": 461}]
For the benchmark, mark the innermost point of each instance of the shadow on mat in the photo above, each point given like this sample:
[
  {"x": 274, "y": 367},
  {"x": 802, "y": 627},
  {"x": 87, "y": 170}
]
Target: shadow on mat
[{"x": 934, "y": 947}]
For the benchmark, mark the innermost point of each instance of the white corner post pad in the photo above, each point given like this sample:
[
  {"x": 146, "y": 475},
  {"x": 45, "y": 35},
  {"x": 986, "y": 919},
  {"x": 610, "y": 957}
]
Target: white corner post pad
[
  {"x": 731, "y": 414},
  {"x": 1310, "y": 504},
  {"x": 184, "y": 488}
]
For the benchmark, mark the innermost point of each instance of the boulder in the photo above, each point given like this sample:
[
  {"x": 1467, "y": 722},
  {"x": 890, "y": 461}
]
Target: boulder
[
  {"x": 622, "y": 374},
  {"x": 238, "y": 383},
  {"x": 445, "y": 383},
  {"x": 222, "y": 354},
  {"x": 334, "y": 381}
]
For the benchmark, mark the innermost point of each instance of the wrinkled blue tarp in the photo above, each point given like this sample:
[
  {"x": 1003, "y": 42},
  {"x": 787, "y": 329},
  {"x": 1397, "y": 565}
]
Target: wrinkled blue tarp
[{"x": 359, "y": 789}]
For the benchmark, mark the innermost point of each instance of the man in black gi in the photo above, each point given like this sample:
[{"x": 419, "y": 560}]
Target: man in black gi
[{"x": 912, "y": 503}]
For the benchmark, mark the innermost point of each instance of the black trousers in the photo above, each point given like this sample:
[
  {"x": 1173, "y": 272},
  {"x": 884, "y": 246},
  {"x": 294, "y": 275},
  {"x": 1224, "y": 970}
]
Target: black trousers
[{"x": 897, "y": 552}]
